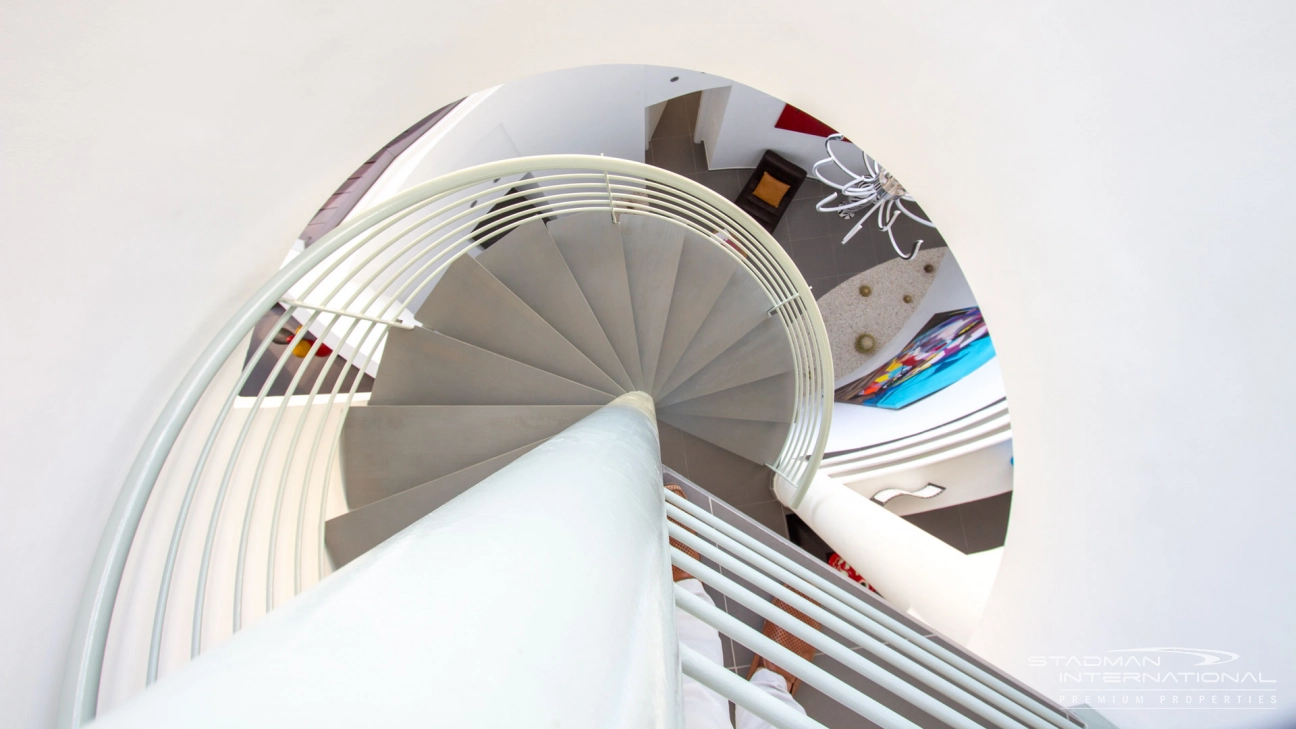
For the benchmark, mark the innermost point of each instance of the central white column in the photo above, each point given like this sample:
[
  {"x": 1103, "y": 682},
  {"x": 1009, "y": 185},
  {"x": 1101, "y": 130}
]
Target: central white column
[
  {"x": 540, "y": 597},
  {"x": 913, "y": 570}
]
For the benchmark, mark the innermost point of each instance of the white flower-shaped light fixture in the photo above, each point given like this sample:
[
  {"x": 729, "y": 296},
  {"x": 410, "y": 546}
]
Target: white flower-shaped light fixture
[{"x": 875, "y": 191}]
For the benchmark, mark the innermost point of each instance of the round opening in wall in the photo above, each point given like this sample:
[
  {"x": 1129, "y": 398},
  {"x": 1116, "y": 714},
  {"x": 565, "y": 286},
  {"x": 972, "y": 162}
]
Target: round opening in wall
[{"x": 674, "y": 79}]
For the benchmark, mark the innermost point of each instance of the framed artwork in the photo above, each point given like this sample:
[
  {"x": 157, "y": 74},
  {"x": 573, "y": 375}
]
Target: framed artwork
[{"x": 949, "y": 347}]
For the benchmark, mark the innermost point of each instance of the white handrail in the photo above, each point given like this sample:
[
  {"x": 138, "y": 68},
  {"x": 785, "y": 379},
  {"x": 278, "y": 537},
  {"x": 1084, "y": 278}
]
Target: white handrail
[
  {"x": 385, "y": 260},
  {"x": 835, "y": 599}
]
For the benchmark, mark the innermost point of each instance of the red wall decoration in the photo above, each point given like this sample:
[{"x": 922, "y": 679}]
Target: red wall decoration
[{"x": 795, "y": 120}]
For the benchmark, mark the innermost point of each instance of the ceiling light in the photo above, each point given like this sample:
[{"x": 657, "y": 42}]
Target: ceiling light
[
  {"x": 926, "y": 492},
  {"x": 874, "y": 191}
]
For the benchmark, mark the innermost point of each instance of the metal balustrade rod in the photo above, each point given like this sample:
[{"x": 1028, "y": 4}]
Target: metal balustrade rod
[
  {"x": 325, "y": 660},
  {"x": 821, "y": 362},
  {"x": 85, "y": 664},
  {"x": 337, "y": 260},
  {"x": 289, "y": 459},
  {"x": 790, "y": 463},
  {"x": 280, "y": 412},
  {"x": 364, "y": 231},
  {"x": 356, "y": 242},
  {"x": 755, "y": 258},
  {"x": 873, "y": 621},
  {"x": 505, "y": 222},
  {"x": 251, "y": 501},
  {"x": 240, "y": 563},
  {"x": 774, "y": 308},
  {"x": 340, "y": 312},
  {"x": 321, "y": 551},
  {"x": 846, "y": 656},
  {"x": 830, "y": 685},
  {"x": 173, "y": 549},
  {"x": 724, "y": 682},
  {"x": 406, "y": 218},
  {"x": 762, "y": 270},
  {"x": 611, "y": 204}
]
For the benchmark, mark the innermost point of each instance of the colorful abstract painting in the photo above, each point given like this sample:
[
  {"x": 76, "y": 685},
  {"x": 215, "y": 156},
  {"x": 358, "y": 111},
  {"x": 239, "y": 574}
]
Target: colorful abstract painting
[{"x": 949, "y": 347}]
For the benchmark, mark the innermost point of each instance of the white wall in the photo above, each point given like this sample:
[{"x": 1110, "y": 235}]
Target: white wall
[
  {"x": 977, "y": 475},
  {"x": 739, "y": 128},
  {"x": 1061, "y": 148},
  {"x": 593, "y": 110},
  {"x": 747, "y": 130}
]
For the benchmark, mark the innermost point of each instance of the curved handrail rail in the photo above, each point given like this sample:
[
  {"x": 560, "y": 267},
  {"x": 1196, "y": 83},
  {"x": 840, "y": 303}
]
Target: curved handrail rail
[{"x": 399, "y": 248}]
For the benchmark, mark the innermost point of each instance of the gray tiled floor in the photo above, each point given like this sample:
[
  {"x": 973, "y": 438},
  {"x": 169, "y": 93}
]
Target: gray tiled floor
[
  {"x": 811, "y": 238},
  {"x": 971, "y": 527},
  {"x": 731, "y": 477}
]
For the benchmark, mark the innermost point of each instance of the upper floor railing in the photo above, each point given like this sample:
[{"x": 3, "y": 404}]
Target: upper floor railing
[{"x": 229, "y": 494}]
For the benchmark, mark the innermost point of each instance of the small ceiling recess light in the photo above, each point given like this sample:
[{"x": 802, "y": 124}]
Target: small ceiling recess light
[
  {"x": 865, "y": 343},
  {"x": 866, "y": 290},
  {"x": 908, "y": 299},
  {"x": 928, "y": 268},
  {"x": 926, "y": 492},
  {"x": 674, "y": 79}
]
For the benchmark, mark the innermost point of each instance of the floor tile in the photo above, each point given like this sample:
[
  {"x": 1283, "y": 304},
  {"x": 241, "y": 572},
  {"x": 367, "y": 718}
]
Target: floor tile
[
  {"x": 724, "y": 182},
  {"x": 780, "y": 231},
  {"x": 699, "y": 157},
  {"x": 838, "y": 227},
  {"x": 821, "y": 286},
  {"x": 672, "y": 447},
  {"x": 804, "y": 221},
  {"x": 768, "y": 514},
  {"x": 944, "y": 524},
  {"x": 816, "y": 257},
  {"x": 853, "y": 257},
  {"x": 674, "y": 154},
  {"x": 729, "y": 476},
  {"x": 985, "y": 522},
  {"x": 678, "y": 117},
  {"x": 812, "y": 188}
]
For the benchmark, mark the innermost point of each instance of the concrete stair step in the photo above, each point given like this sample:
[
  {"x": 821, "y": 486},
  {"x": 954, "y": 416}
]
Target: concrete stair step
[
  {"x": 388, "y": 449},
  {"x": 528, "y": 261},
  {"x": 591, "y": 245},
  {"x": 473, "y": 306}
]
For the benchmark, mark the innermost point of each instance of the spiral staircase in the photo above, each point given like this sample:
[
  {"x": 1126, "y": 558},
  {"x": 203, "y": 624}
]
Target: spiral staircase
[
  {"x": 525, "y": 322},
  {"x": 538, "y": 331}
]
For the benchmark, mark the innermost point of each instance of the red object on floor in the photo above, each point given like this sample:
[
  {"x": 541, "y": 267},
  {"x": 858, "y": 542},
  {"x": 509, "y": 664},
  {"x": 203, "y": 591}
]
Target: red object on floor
[
  {"x": 795, "y": 120},
  {"x": 836, "y": 562}
]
